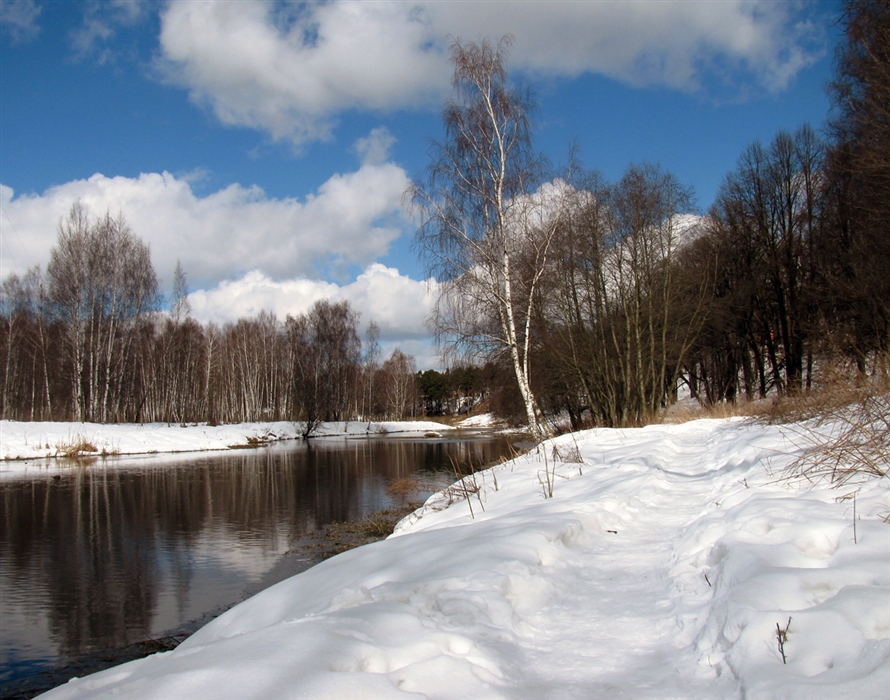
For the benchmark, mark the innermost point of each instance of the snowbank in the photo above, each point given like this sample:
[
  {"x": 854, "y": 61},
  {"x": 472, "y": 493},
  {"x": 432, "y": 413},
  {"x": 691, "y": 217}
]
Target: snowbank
[
  {"x": 482, "y": 420},
  {"x": 660, "y": 567},
  {"x": 24, "y": 440}
]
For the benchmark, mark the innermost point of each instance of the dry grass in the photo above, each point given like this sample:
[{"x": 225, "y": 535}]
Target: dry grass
[
  {"x": 338, "y": 537},
  {"x": 379, "y": 524},
  {"x": 404, "y": 487},
  {"x": 76, "y": 447},
  {"x": 847, "y": 424},
  {"x": 813, "y": 405},
  {"x": 857, "y": 447},
  {"x": 688, "y": 412},
  {"x": 845, "y": 421},
  {"x": 253, "y": 441},
  {"x": 569, "y": 454}
]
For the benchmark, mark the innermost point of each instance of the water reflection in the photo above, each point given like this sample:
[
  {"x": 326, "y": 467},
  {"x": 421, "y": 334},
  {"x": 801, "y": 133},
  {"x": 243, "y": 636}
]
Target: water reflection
[{"x": 121, "y": 551}]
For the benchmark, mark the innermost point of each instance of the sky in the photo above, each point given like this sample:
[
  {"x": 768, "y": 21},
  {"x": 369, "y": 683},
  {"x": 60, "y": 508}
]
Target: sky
[{"x": 267, "y": 145}]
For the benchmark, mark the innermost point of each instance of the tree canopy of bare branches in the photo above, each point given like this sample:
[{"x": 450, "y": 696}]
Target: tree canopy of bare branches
[
  {"x": 486, "y": 224},
  {"x": 101, "y": 283},
  {"x": 858, "y": 257}
]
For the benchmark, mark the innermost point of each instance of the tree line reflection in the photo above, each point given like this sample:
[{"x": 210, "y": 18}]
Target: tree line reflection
[{"x": 93, "y": 552}]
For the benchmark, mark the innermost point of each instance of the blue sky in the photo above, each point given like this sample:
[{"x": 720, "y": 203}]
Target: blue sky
[{"x": 266, "y": 144}]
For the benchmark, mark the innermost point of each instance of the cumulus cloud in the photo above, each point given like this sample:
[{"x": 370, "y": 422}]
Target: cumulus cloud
[
  {"x": 351, "y": 220},
  {"x": 374, "y": 148},
  {"x": 291, "y": 68},
  {"x": 398, "y": 304},
  {"x": 672, "y": 43}
]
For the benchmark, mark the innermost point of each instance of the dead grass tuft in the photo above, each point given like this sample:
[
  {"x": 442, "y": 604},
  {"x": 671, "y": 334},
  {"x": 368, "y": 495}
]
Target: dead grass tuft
[
  {"x": 403, "y": 487},
  {"x": 813, "y": 405},
  {"x": 76, "y": 447},
  {"x": 857, "y": 447},
  {"x": 837, "y": 388},
  {"x": 694, "y": 411},
  {"x": 570, "y": 454},
  {"x": 846, "y": 422}
]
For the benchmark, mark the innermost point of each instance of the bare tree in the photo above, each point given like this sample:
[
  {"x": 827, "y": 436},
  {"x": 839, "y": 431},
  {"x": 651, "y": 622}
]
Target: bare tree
[
  {"x": 855, "y": 261},
  {"x": 370, "y": 366},
  {"x": 479, "y": 216},
  {"x": 180, "y": 307},
  {"x": 619, "y": 315},
  {"x": 325, "y": 354},
  {"x": 19, "y": 309},
  {"x": 400, "y": 384},
  {"x": 768, "y": 213},
  {"x": 101, "y": 284}
]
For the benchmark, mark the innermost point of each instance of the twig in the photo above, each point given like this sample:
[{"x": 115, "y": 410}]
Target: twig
[
  {"x": 855, "y": 539},
  {"x": 463, "y": 484},
  {"x": 782, "y": 637}
]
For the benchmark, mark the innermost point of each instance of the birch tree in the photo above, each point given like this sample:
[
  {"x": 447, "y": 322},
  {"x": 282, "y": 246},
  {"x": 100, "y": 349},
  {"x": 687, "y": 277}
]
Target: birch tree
[
  {"x": 400, "y": 384},
  {"x": 101, "y": 283},
  {"x": 325, "y": 354},
  {"x": 482, "y": 234}
]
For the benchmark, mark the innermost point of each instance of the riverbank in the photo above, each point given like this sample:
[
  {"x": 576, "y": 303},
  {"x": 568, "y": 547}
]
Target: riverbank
[
  {"x": 682, "y": 561},
  {"x": 26, "y": 445},
  {"x": 332, "y": 539}
]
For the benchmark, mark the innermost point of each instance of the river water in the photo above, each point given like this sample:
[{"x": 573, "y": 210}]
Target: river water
[{"x": 124, "y": 550}]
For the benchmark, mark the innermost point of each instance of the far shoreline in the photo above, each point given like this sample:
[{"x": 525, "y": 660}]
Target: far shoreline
[{"x": 22, "y": 442}]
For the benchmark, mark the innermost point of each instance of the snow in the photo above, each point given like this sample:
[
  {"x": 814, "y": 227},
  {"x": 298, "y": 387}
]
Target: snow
[
  {"x": 660, "y": 567},
  {"x": 37, "y": 440},
  {"x": 482, "y": 420}
]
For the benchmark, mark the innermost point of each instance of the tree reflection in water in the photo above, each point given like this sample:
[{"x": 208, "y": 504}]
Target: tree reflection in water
[{"x": 117, "y": 552}]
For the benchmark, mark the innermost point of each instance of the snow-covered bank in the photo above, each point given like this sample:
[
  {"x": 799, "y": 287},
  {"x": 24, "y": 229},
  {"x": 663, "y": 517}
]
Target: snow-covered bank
[
  {"x": 24, "y": 440},
  {"x": 660, "y": 567}
]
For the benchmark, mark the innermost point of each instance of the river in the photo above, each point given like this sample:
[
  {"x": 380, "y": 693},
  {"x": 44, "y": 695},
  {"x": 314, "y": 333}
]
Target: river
[{"x": 106, "y": 555}]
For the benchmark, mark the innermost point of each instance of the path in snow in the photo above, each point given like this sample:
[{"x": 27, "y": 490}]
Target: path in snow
[{"x": 627, "y": 635}]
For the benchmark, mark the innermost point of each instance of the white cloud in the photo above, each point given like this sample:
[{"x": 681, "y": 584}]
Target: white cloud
[
  {"x": 254, "y": 292},
  {"x": 101, "y": 21},
  {"x": 290, "y": 72},
  {"x": 398, "y": 304},
  {"x": 351, "y": 220},
  {"x": 291, "y": 68},
  {"x": 18, "y": 18},
  {"x": 671, "y": 43},
  {"x": 374, "y": 148}
]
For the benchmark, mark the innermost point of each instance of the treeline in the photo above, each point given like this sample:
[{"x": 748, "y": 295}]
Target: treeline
[
  {"x": 596, "y": 299},
  {"x": 785, "y": 277},
  {"x": 607, "y": 298},
  {"x": 782, "y": 280},
  {"x": 87, "y": 341},
  {"x": 778, "y": 280}
]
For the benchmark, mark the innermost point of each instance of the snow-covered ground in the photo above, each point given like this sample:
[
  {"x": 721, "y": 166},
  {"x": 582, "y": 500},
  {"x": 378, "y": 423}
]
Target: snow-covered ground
[
  {"x": 667, "y": 563},
  {"x": 482, "y": 420},
  {"x": 28, "y": 441}
]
